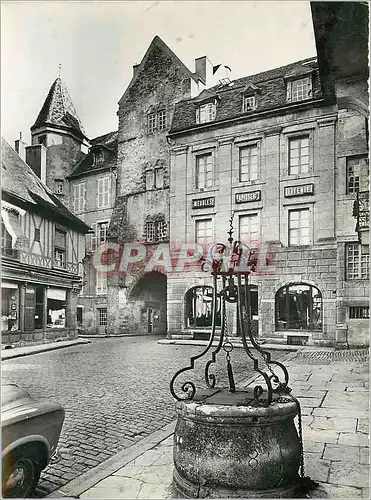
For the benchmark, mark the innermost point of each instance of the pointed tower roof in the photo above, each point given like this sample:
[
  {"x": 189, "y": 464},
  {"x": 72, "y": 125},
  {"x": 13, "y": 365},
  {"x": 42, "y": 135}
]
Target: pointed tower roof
[{"x": 59, "y": 111}]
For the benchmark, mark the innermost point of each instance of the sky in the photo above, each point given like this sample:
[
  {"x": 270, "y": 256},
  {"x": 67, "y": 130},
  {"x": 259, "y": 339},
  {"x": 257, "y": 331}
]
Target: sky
[{"x": 97, "y": 43}]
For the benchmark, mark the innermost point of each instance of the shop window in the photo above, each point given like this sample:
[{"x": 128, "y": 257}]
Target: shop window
[
  {"x": 102, "y": 316},
  {"x": 59, "y": 248},
  {"x": 299, "y": 227},
  {"x": 7, "y": 243},
  {"x": 204, "y": 171},
  {"x": 357, "y": 262},
  {"x": 249, "y": 163},
  {"x": 9, "y": 307},
  {"x": 56, "y": 307},
  {"x": 299, "y": 155},
  {"x": 299, "y": 307},
  {"x": 198, "y": 307}
]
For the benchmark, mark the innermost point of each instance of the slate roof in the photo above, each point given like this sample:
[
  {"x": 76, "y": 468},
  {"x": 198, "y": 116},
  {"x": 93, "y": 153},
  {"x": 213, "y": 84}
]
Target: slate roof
[
  {"x": 85, "y": 166},
  {"x": 20, "y": 185},
  {"x": 58, "y": 110},
  {"x": 161, "y": 45},
  {"x": 271, "y": 93}
]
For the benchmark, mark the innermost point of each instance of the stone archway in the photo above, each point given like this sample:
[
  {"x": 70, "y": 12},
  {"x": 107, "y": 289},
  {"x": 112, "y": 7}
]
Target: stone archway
[{"x": 148, "y": 299}]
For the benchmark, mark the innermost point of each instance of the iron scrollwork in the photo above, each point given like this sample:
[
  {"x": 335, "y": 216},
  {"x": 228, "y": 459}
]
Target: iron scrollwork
[{"x": 232, "y": 271}]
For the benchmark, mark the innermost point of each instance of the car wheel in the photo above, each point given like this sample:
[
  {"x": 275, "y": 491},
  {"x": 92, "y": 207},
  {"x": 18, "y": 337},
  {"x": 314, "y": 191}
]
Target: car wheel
[{"x": 20, "y": 476}]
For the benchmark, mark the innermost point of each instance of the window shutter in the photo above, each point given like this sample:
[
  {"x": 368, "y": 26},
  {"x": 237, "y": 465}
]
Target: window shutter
[
  {"x": 100, "y": 192},
  {"x": 288, "y": 91},
  {"x": 75, "y": 198},
  {"x": 198, "y": 115},
  {"x": 94, "y": 237},
  {"x": 310, "y": 90},
  {"x": 83, "y": 196}
]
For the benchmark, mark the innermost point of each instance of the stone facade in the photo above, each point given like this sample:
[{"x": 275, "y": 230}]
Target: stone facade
[
  {"x": 321, "y": 263},
  {"x": 137, "y": 299}
]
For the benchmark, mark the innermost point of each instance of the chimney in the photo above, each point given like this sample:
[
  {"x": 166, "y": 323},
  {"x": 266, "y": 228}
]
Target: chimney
[
  {"x": 135, "y": 69},
  {"x": 204, "y": 69},
  {"x": 36, "y": 159},
  {"x": 20, "y": 147}
]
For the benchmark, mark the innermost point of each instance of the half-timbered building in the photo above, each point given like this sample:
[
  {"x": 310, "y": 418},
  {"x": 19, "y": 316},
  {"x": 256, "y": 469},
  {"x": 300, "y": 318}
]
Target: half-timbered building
[{"x": 42, "y": 247}]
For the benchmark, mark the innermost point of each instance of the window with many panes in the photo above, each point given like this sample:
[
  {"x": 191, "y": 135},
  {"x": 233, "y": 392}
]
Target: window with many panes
[
  {"x": 59, "y": 186},
  {"x": 79, "y": 197},
  {"x": 102, "y": 316},
  {"x": 357, "y": 262},
  {"x": 249, "y": 229},
  {"x": 151, "y": 123},
  {"x": 161, "y": 230},
  {"x": 357, "y": 174},
  {"x": 359, "y": 312},
  {"x": 59, "y": 247},
  {"x": 299, "y": 89},
  {"x": 98, "y": 157},
  {"x": 104, "y": 186},
  {"x": 299, "y": 155},
  {"x": 204, "y": 171},
  {"x": 101, "y": 283},
  {"x": 249, "y": 163},
  {"x": 156, "y": 231},
  {"x": 161, "y": 119},
  {"x": 204, "y": 232},
  {"x": 150, "y": 232},
  {"x": 206, "y": 113},
  {"x": 102, "y": 229},
  {"x": 249, "y": 103},
  {"x": 299, "y": 227}
]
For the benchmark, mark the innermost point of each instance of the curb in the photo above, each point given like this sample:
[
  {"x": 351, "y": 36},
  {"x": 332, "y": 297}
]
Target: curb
[
  {"x": 27, "y": 351},
  {"x": 93, "y": 476},
  {"x": 114, "y": 336},
  {"x": 276, "y": 347},
  {"x": 89, "y": 479}
]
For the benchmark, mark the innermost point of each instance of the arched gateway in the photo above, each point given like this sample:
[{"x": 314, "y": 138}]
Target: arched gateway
[{"x": 148, "y": 297}]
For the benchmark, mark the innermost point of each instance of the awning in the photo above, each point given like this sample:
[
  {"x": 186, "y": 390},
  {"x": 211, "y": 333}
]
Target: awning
[
  {"x": 5, "y": 284},
  {"x": 56, "y": 293},
  {"x": 10, "y": 216}
]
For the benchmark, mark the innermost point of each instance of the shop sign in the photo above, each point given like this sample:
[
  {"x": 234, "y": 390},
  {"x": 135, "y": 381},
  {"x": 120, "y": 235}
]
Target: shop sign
[
  {"x": 303, "y": 190},
  {"x": 247, "y": 197},
  {"x": 203, "y": 202}
]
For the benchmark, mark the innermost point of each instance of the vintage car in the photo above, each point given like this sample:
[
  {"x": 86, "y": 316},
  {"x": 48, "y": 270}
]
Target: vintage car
[{"x": 30, "y": 434}]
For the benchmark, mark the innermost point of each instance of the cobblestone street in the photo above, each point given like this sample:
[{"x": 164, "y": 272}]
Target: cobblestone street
[{"x": 114, "y": 391}]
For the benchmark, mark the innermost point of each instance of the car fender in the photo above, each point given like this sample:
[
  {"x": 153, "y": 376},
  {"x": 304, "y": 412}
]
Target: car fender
[{"x": 27, "y": 440}]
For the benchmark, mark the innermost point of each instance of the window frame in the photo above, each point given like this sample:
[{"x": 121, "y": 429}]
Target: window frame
[
  {"x": 288, "y": 327},
  {"x": 159, "y": 230},
  {"x": 151, "y": 122},
  {"x": 289, "y": 228},
  {"x": 197, "y": 157},
  {"x": 100, "y": 310},
  {"x": 101, "y": 283},
  {"x": 98, "y": 232},
  {"x": 250, "y": 215},
  {"x": 79, "y": 201},
  {"x": 249, "y": 146},
  {"x": 59, "y": 248},
  {"x": 104, "y": 194},
  {"x": 59, "y": 186},
  {"x": 190, "y": 297},
  {"x": 359, "y": 176},
  {"x": 161, "y": 119},
  {"x": 211, "y": 114},
  {"x": 362, "y": 258},
  {"x": 290, "y": 91},
  {"x": 197, "y": 221},
  {"x": 291, "y": 139},
  {"x": 245, "y": 98}
]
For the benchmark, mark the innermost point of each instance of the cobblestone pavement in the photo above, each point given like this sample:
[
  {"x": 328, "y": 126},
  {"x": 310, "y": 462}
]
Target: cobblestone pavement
[
  {"x": 326, "y": 356},
  {"x": 114, "y": 391}
]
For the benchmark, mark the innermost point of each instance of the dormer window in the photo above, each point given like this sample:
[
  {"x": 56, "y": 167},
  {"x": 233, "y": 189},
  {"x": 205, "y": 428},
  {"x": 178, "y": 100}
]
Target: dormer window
[
  {"x": 98, "y": 157},
  {"x": 206, "y": 113},
  {"x": 299, "y": 89},
  {"x": 249, "y": 103}
]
